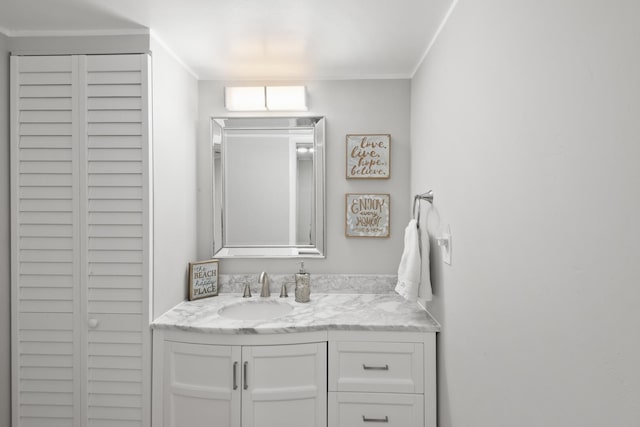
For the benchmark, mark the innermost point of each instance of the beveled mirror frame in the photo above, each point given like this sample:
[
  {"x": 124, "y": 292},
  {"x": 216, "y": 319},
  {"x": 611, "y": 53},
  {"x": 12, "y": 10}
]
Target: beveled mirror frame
[{"x": 317, "y": 247}]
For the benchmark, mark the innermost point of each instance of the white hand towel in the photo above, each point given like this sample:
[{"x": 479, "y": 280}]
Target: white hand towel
[{"x": 409, "y": 269}]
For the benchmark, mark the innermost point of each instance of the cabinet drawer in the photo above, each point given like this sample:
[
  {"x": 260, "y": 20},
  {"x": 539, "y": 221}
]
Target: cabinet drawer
[
  {"x": 386, "y": 367},
  {"x": 375, "y": 409}
]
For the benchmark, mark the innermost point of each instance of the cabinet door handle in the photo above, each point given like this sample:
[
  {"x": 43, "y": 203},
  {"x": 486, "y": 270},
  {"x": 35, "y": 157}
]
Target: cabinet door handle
[
  {"x": 244, "y": 374},
  {"x": 375, "y": 368},
  {"x": 375, "y": 420},
  {"x": 235, "y": 375}
]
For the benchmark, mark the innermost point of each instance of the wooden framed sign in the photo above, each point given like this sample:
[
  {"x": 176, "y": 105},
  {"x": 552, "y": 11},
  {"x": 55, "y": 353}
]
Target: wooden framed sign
[
  {"x": 368, "y": 156},
  {"x": 367, "y": 215},
  {"x": 203, "y": 279}
]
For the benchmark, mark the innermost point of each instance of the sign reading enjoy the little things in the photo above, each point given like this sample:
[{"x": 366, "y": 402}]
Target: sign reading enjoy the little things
[{"x": 367, "y": 215}]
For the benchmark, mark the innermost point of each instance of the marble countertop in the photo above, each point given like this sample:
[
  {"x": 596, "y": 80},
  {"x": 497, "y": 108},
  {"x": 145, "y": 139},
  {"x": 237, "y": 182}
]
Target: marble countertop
[{"x": 369, "y": 312}]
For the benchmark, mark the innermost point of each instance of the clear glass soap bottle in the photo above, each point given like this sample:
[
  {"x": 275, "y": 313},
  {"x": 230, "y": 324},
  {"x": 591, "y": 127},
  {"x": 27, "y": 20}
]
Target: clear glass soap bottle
[{"x": 303, "y": 285}]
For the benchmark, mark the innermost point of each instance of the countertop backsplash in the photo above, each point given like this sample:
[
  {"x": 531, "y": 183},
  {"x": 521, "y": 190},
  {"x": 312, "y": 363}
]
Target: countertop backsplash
[{"x": 320, "y": 283}]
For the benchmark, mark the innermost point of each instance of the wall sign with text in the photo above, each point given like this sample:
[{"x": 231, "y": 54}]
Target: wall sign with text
[
  {"x": 203, "y": 279},
  {"x": 368, "y": 156},
  {"x": 367, "y": 215}
]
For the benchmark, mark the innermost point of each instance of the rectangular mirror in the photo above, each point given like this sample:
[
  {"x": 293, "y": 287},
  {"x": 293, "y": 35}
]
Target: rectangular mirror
[{"x": 268, "y": 185}]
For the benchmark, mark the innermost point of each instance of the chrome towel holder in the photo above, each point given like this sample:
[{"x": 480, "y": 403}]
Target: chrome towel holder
[{"x": 428, "y": 196}]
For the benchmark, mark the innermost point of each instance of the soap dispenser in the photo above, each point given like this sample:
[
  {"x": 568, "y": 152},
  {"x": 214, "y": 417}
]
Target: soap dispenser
[{"x": 303, "y": 285}]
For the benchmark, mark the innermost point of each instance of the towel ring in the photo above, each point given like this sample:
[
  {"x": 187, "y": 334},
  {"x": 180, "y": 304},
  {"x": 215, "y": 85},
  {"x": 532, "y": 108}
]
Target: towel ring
[{"x": 428, "y": 196}]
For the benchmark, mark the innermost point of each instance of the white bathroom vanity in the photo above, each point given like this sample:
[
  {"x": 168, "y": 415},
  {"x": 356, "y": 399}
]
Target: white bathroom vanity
[{"x": 340, "y": 360}]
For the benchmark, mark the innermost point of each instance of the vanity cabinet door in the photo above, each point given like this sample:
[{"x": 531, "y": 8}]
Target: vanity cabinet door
[
  {"x": 285, "y": 385},
  {"x": 208, "y": 385},
  {"x": 202, "y": 385}
]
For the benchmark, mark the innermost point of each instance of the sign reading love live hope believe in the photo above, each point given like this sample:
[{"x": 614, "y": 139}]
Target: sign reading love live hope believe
[{"x": 368, "y": 156}]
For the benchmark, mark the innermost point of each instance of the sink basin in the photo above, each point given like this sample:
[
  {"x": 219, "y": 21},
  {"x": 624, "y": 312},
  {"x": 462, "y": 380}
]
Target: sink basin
[{"x": 255, "y": 310}]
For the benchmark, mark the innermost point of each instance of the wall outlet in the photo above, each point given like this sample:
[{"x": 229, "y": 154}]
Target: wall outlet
[{"x": 444, "y": 241}]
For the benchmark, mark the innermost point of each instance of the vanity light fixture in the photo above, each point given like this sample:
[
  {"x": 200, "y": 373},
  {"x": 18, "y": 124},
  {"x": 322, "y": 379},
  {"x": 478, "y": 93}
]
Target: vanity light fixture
[
  {"x": 245, "y": 98},
  {"x": 265, "y": 98},
  {"x": 286, "y": 98}
]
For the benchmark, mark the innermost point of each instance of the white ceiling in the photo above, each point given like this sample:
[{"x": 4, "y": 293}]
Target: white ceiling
[{"x": 254, "y": 39}]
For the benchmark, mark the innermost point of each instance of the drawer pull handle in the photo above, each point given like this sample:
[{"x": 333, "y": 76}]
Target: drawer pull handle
[
  {"x": 375, "y": 420},
  {"x": 375, "y": 368},
  {"x": 235, "y": 375},
  {"x": 244, "y": 374}
]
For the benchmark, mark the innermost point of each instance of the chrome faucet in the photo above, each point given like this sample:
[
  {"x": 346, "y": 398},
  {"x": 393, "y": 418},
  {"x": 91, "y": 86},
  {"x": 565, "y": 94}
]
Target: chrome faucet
[
  {"x": 247, "y": 291},
  {"x": 264, "y": 281}
]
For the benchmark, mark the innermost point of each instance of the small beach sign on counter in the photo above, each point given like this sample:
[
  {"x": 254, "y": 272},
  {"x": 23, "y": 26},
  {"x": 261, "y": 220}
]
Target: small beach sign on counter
[{"x": 203, "y": 279}]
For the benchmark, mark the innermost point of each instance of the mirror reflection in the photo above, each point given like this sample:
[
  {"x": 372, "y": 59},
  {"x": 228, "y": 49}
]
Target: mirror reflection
[{"x": 268, "y": 187}]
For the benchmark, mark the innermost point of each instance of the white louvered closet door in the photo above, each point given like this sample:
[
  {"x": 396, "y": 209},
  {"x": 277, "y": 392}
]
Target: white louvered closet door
[
  {"x": 80, "y": 242},
  {"x": 45, "y": 242}
]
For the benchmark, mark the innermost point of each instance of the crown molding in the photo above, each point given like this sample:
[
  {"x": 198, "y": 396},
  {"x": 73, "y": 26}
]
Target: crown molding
[
  {"x": 434, "y": 38},
  {"x": 173, "y": 54}
]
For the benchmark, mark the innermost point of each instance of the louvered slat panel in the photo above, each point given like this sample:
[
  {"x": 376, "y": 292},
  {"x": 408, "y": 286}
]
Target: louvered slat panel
[
  {"x": 57, "y": 399},
  {"x": 115, "y": 155},
  {"x": 115, "y": 337},
  {"x": 106, "y": 362},
  {"x": 46, "y": 167},
  {"x": 114, "y": 282},
  {"x": 47, "y": 141},
  {"x": 64, "y": 193},
  {"x": 115, "y": 116},
  {"x": 123, "y": 90},
  {"x": 45, "y": 180},
  {"x": 46, "y": 422},
  {"x": 98, "y": 422},
  {"x": 47, "y": 360},
  {"x": 115, "y": 77},
  {"x": 118, "y": 193},
  {"x": 44, "y": 154},
  {"x": 127, "y": 307},
  {"x": 31, "y": 104},
  {"x": 120, "y": 103},
  {"x": 107, "y": 243},
  {"x": 37, "y": 306},
  {"x": 35, "y": 280},
  {"x": 110, "y": 257},
  {"x": 114, "y": 401},
  {"x": 115, "y": 217},
  {"x": 40, "y": 91},
  {"x": 50, "y": 78},
  {"x": 45, "y": 204},
  {"x": 44, "y": 260},
  {"x": 47, "y": 218},
  {"x": 47, "y": 336},
  {"x": 116, "y": 239}
]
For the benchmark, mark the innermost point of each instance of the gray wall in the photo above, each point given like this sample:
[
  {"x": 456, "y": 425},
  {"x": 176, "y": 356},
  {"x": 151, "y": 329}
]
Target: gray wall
[
  {"x": 350, "y": 106},
  {"x": 5, "y": 248},
  {"x": 525, "y": 124},
  {"x": 175, "y": 106}
]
